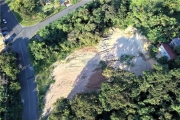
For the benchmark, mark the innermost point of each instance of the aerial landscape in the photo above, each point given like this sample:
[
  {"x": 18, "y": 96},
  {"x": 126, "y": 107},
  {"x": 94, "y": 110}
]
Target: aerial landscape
[{"x": 90, "y": 60}]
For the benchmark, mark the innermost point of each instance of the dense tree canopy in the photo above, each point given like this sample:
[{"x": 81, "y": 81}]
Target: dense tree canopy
[
  {"x": 155, "y": 95},
  {"x": 8, "y": 64},
  {"x": 25, "y": 7},
  {"x": 10, "y": 103}
]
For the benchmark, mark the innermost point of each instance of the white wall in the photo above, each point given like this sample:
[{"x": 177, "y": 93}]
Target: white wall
[{"x": 163, "y": 52}]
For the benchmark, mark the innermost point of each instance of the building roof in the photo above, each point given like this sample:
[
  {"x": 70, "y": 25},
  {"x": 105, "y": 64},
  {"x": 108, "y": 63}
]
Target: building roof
[
  {"x": 66, "y": 3},
  {"x": 176, "y": 41},
  {"x": 169, "y": 50}
]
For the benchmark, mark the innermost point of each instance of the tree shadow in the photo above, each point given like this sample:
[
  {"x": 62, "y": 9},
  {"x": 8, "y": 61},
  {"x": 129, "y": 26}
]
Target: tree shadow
[
  {"x": 133, "y": 46},
  {"x": 83, "y": 78}
]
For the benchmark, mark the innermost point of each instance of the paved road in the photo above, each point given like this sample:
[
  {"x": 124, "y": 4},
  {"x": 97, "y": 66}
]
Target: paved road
[
  {"x": 19, "y": 36},
  {"x": 13, "y": 26}
]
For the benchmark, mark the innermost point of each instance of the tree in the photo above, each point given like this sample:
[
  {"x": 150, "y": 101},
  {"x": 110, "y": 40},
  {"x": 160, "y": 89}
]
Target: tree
[
  {"x": 163, "y": 60},
  {"x": 10, "y": 87},
  {"x": 177, "y": 49},
  {"x": 156, "y": 35},
  {"x": 25, "y": 7},
  {"x": 86, "y": 106},
  {"x": 115, "y": 95},
  {"x": 62, "y": 110},
  {"x": 152, "y": 51},
  {"x": 8, "y": 64},
  {"x": 177, "y": 61}
]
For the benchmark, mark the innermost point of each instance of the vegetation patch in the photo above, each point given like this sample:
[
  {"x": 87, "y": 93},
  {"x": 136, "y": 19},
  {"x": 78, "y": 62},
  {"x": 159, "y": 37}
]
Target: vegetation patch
[
  {"x": 10, "y": 101},
  {"x": 43, "y": 83},
  {"x": 126, "y": 97},
  {"x": 163, "y": 60},
  {"x": 103, "y": 64},
  {"x": 31, "y": 12},
  {"x": 126, "y": 59}
]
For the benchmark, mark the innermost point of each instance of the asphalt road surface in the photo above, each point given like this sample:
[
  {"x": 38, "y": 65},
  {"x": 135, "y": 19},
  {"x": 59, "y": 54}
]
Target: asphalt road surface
[{"x": 19, "y": 36}]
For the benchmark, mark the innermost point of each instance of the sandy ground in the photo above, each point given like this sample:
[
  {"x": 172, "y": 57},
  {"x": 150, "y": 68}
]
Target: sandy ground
[
  {"x": 1, "y": 44},
  {"x": 79, "y": 72},
  {"x": 71, "y": 76},
  {"x": 129, "y": 43}
]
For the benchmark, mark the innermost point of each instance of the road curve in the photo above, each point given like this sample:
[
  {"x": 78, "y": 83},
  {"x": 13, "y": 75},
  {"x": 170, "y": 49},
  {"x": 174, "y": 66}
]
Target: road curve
[{"x": 29, "y": 93}]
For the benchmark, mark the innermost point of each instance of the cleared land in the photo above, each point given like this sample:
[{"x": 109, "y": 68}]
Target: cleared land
[
  {"x": 80, "y": 72},
  {"x": 1, "y": 43}
]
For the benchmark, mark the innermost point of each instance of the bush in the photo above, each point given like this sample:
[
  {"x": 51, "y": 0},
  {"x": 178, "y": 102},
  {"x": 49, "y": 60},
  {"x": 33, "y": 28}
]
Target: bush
[
  {"x": 127, "y": 59},
  {"x": 177, "y": 49},
  {"x": 163, "y": 60},
  {"x": 102, "y": 64},
  {"x": 152, "y": 51}
]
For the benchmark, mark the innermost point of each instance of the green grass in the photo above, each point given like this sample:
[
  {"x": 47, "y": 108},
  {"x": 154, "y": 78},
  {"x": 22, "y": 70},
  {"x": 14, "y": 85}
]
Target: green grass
[{"x": 25, "y": 22}]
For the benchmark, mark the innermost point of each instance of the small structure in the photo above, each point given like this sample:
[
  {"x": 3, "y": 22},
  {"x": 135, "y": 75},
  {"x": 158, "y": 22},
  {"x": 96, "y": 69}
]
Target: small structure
[
  {"x": 166, "y": 50},
  {"x": 175, "y": 42},
  {"x": 67, "y": 4}
]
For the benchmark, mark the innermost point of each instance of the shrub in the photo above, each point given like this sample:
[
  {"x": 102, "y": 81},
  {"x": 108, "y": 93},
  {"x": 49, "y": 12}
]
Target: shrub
[
  {"x": 162, "y": 60},
  {"x": 152, "y": 51}
]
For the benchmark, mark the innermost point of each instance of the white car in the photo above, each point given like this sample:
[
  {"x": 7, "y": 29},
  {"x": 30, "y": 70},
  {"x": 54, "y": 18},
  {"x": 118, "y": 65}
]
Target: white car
[{"x": 4, "y": 21}]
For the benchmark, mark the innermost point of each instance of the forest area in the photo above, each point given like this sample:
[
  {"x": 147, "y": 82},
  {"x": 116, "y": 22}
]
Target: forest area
[
  {"x": 155, "y": 95},
  {"x": 10, "y": 101}
]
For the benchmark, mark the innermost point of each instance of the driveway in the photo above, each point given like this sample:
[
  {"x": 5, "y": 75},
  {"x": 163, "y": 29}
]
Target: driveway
[{"x": 19, "y": 36}]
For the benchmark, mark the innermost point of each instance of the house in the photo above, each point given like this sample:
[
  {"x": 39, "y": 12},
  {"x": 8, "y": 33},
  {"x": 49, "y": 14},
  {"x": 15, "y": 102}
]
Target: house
[
  {"x": 67, "y": 4},
  {"x": 166, "y": 50},
  {"x": 175, "y": 42}
]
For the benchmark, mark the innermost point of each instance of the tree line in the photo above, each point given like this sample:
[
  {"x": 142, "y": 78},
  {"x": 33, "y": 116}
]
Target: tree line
[{"x": 10, "y": 101}]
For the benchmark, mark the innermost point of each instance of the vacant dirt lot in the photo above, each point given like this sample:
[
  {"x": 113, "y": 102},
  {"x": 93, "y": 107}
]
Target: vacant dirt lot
[
  {"x": 71, "y": 76},
  {"x": 80, "y": 72}
]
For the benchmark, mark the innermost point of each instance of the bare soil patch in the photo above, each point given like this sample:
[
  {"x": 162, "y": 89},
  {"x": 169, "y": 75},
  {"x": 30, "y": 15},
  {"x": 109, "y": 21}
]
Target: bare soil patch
[
  {"x": 80, "y": 71},
  {"x": 71, "y": 76},
  {"x": 95, "y": 81},
  {"x": 1, "y": 43}
]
